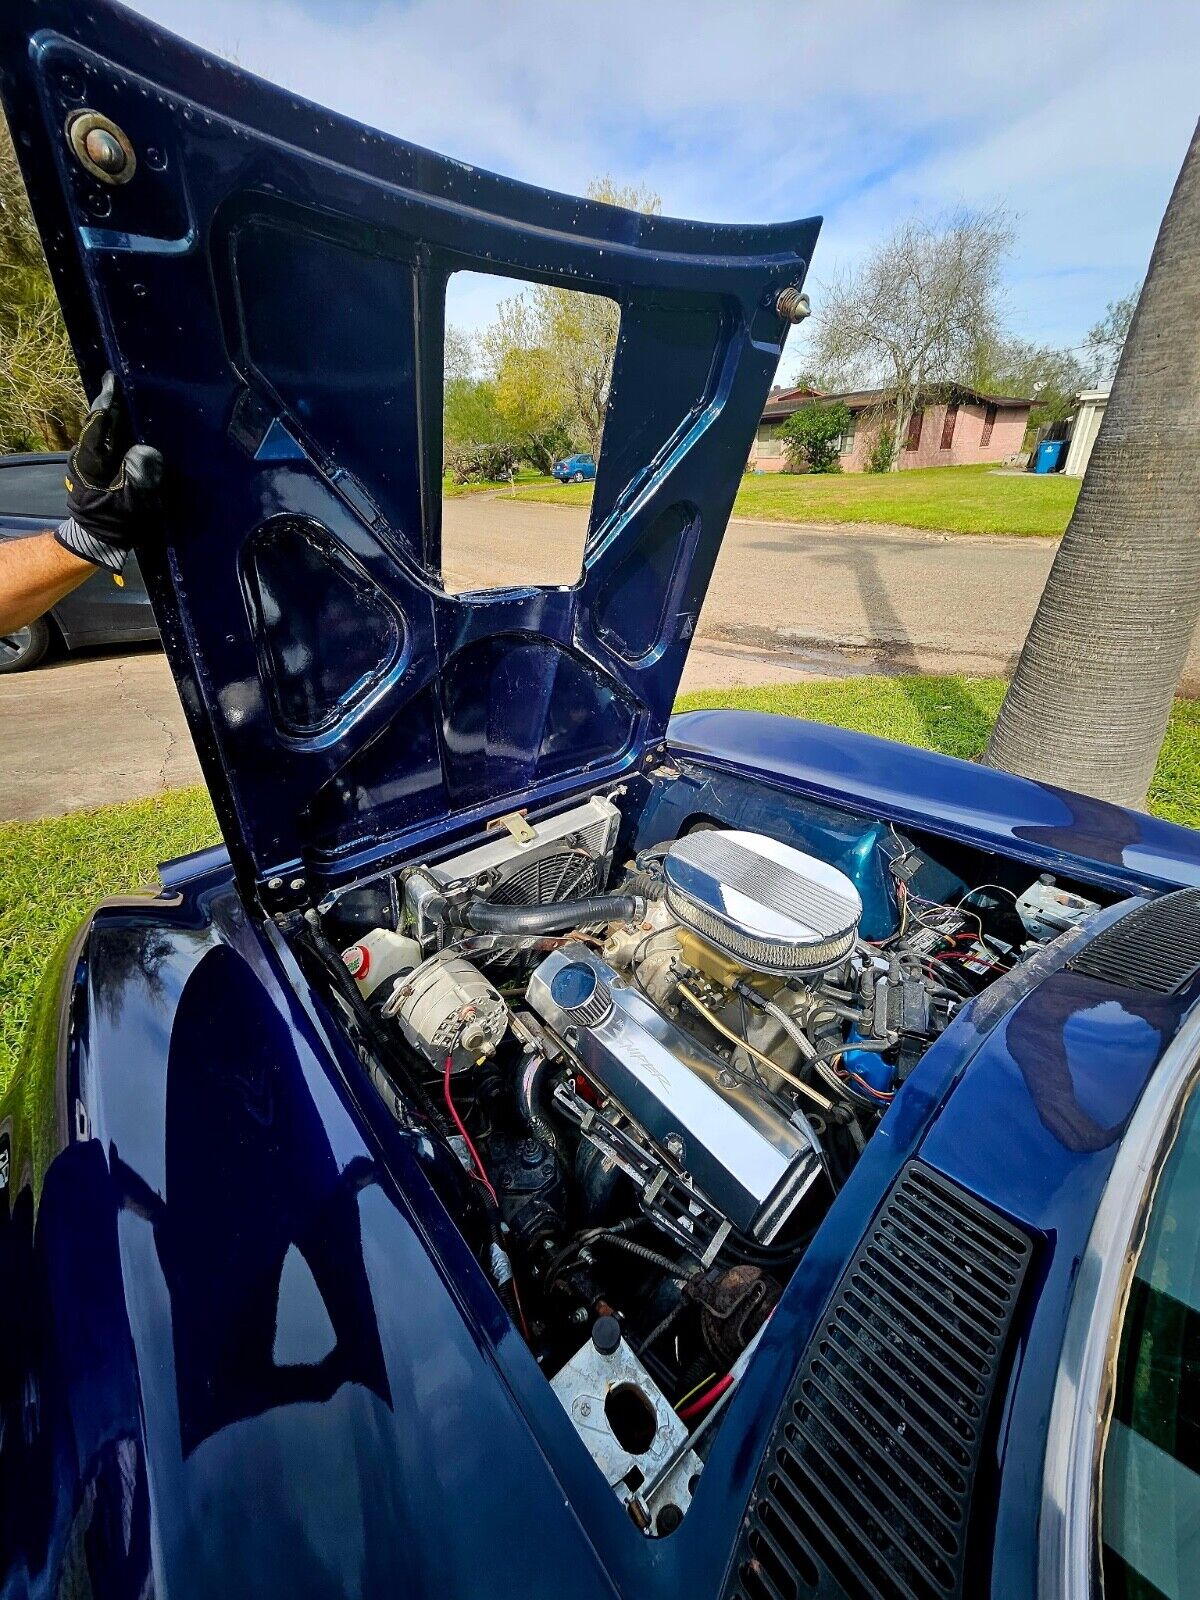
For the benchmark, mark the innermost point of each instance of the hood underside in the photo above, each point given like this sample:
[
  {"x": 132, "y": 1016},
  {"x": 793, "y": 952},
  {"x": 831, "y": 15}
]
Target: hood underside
[{"x": 270, "y": 285}]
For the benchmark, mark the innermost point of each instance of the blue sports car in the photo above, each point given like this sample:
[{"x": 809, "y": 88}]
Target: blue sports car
[
  {"x": 552, "y": 1147},
  {"x": 575, "y": 469}
]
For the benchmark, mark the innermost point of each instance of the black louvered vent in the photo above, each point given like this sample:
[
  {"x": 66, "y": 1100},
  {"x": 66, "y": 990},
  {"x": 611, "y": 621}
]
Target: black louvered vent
[
  {"x": 866, "y": 1486},
  {"x": 1156, "y": 947}
]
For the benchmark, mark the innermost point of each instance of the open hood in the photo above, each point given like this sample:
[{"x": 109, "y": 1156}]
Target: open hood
[{"x": 269, "y": 281}]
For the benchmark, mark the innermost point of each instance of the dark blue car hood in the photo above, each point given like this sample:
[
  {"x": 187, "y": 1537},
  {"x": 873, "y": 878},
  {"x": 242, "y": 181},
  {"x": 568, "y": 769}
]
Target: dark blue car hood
[{"x": 270, "y": 285}]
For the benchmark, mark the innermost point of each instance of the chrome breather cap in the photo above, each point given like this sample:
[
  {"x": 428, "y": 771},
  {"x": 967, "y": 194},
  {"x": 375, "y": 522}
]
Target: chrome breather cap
[{"x": 767, "y": 904}]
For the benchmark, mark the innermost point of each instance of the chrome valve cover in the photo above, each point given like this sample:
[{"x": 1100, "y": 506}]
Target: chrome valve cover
[{"x": 750, "y": 1162}]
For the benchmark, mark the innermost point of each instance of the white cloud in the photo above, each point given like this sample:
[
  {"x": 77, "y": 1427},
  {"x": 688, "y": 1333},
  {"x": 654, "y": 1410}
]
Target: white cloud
[{"x": 1074, "y": 113}]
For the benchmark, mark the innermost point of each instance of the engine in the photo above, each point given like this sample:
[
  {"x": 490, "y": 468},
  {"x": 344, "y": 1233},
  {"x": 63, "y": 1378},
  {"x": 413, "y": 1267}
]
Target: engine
[{"x": 658, "y": 1076}]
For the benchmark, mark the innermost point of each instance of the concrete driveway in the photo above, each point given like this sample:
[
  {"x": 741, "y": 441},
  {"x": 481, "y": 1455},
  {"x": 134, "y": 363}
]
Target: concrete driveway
[
  {"x": 91, "y": 729},
  {"x": 786, "y": 601}
]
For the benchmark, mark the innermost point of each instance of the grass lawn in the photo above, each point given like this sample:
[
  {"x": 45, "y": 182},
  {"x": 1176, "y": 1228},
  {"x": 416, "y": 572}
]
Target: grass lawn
[
  {"x": 51, "y": 872},
  {"x": 526, "y": 477},
  {"x": 942, "y": 499}
]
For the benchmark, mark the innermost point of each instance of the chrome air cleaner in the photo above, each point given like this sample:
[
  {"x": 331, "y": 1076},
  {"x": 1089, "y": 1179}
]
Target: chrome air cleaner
[{"x": 767, "y": 904}]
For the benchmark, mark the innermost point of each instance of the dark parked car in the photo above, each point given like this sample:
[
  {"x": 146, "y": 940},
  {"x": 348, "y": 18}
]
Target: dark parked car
[
  {"x": 553, "y": 1147},
  {"x": 575, "y": 469},
  {"x": 109, "y": 608}
]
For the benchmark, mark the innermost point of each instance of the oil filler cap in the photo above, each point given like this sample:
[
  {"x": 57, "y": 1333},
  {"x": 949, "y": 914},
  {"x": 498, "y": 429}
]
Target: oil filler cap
[
  {"x": 581, "y": 993},
  {"x": 606, "y": 1335}
]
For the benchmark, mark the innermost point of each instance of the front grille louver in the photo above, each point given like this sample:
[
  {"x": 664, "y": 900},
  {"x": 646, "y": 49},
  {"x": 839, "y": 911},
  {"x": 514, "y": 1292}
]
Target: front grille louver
[
  {"x": 865, "y": 1490},
  {"x": 1156, "y": 947}
]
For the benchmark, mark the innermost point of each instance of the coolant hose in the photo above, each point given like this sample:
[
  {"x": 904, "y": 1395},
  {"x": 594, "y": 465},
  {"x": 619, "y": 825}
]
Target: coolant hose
[
  {"x": 556, "y": 917},
  {"x": 530, "y": 1081}
]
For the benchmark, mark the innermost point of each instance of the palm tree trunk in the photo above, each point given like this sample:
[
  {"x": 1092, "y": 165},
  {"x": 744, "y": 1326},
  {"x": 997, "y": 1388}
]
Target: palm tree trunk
[{"x": 1088, "y": 705}]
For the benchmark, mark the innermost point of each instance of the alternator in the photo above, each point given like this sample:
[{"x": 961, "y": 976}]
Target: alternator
[{"x": 446, "y": 1007}]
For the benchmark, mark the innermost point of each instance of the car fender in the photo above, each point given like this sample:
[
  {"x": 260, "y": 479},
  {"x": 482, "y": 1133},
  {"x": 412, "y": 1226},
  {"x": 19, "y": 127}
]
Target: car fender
[
  {"x": 1051, "y": 829},
  {"x": 244, "y": 1348}
]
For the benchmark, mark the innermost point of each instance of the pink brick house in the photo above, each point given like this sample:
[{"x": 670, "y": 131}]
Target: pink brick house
[{"x": 954, "y": 427}]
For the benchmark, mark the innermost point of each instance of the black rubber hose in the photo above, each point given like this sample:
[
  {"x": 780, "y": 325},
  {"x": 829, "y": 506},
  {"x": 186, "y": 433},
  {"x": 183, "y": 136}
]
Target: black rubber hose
[
  {"x": 530, "y": 1081},
  {"x": 556, "y": 917}
]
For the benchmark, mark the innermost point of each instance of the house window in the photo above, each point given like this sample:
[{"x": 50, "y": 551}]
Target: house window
[
  {"x": 845, "y": 443},
  {"x": 948, "y": 426},
  {"x": 913, "y": 441},
  {"x": 989, "y": 418}
]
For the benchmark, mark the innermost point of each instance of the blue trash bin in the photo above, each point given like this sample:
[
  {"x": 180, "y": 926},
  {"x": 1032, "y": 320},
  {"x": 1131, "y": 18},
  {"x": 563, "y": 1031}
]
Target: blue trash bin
[{"x": 1049, "y": 455}]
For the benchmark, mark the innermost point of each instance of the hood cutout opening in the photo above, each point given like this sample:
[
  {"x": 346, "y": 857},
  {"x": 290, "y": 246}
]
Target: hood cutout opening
[{"x": 271, "y": 290}]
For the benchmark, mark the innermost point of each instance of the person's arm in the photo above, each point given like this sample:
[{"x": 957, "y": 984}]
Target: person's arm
[
  {"x": 112, "y": 504},
  {"x": 35, "y": 574}
]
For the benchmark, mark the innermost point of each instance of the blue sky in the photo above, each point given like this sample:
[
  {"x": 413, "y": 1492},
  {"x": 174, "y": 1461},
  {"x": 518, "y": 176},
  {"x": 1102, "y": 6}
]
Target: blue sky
[{"x": 1073, "y": 114}]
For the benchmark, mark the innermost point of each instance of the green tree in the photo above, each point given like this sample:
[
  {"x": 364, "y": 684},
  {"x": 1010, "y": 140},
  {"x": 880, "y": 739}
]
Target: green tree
[
  {"x": 1051, "y": 378},
  {"x": 812, "y": 436},
  {"x": 471, "y": 414},
  {"x": 550, "y": 353},
  {"x": 532, "y": 402},
  {"x": 1106, "y": 338},
  {"x": 579, "y": 338},
  {"x": 41, "y": 402},
  {"x": 478, "y": 441}
]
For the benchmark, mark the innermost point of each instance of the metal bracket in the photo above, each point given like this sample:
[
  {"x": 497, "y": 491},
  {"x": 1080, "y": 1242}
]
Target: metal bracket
[
  {"x": 517, "y": 824},
  {"x": 285, "y": 889}
]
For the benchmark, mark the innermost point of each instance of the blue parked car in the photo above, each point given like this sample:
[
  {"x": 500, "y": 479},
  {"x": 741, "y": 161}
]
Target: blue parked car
[
  {"x": 110, "y": 608},
  {"x": 575, "y": 469},
  {"x": 551, "y": 1147}
]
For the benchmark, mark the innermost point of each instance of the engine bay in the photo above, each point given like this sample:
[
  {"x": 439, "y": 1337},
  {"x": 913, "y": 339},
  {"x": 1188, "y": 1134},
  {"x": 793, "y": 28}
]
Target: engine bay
[{"x": 657, "y": 1067}]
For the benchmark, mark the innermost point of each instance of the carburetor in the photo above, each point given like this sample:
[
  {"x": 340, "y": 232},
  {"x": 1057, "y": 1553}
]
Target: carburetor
[{"x": 446, "y": 1007}]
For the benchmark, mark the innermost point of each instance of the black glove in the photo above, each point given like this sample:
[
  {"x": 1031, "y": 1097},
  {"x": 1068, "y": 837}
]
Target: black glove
[{"x": 112, "y": 485}]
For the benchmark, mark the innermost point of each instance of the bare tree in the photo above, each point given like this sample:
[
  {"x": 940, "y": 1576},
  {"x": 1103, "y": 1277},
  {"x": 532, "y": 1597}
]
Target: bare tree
[
  {"x": 917, "y": 311},
  {"x": 458, "y": 354},
  {"x": 1088, "y": 705}
]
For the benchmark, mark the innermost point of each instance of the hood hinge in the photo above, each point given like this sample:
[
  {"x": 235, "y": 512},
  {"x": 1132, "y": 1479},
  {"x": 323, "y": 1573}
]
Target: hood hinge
[{"x": 284, "y": 889}]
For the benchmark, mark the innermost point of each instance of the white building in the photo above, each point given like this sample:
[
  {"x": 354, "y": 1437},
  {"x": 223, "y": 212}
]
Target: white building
[{"x": 1088, "y": 416}]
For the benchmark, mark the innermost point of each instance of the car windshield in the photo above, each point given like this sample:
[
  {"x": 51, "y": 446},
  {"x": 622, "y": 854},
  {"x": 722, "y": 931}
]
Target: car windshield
[{"x": 1151, "y": 1497}]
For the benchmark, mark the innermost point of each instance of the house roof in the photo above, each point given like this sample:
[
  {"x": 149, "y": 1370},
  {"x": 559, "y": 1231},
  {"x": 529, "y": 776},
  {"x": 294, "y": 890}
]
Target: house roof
[{"x": 782, "y": 403}]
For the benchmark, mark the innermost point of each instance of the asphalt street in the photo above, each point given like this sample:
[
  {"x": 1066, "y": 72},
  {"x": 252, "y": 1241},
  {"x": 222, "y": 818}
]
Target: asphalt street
[
  {"x": 785, "y": 601},
  {"x": 783, "y": 585}
]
